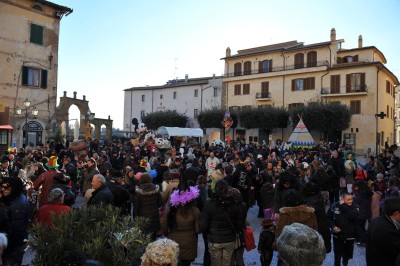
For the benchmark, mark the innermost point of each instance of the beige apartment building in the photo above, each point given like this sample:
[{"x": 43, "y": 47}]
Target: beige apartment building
[
  {"x": 292, "y": 73},
  {"x": 29, "y": 39}
]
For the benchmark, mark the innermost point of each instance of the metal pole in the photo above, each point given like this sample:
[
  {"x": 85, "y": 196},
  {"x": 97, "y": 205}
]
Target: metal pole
[{"x": 26, "y": 127}]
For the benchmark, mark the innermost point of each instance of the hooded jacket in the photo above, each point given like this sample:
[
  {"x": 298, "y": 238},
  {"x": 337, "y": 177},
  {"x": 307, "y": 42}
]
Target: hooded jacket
[
  {"x": 147, "y": 201},
  {"x": 299, "y": 214}
]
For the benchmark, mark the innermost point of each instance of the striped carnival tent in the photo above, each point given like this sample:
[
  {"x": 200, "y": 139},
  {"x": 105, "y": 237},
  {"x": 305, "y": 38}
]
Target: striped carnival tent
[{"x": 300, "y": 137}]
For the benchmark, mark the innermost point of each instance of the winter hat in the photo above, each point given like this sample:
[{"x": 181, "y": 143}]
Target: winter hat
[
  {"x": 300, "y": 245},
  {"x": 52, "y": 162},
  {"x": 162, "y": 252}
]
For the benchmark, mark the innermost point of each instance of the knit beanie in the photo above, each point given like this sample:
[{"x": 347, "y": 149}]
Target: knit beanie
[{"x": 300, "y": 245}]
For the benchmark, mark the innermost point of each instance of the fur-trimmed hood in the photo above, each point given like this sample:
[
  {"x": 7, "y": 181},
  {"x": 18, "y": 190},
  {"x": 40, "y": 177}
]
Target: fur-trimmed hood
[
  {"x": 148, "y": 189},
  {"x": 300, "y": 213}
]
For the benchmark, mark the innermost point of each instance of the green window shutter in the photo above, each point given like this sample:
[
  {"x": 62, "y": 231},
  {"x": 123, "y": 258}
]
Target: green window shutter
[
  {"x": 43, "y": 79},
  {"x": 36, "y": 34},
  {"x": 25, "y": 71}
]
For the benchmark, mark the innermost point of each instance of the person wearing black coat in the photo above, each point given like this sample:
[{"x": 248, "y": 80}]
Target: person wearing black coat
[
  {"x": 333, "y": 186},
  {"x": 192, "y": 172},
  {"x": 362, "y": 197},
  {"x": 18, "y": 220},
  {"x": 383, "y": 245},
  {"x": 147, "y": 201},
  {"x": 222, "y": 217},
  {"x": 267, "y": 193},
  {"x": 342, "y": 218},
  {"x": 312, "y": 197},
  {"x": 286, "y": 181},
  {"x": 101, "y": 195},
  {"x": 337, "y": 163},
  {"x": 121, "y": 195},
  {"x": 60, "y": 181}
]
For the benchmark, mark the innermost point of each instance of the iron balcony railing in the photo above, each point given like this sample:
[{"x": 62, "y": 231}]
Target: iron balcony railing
[
  {"x": 276, "y": 69},
  {"x": 261, "y": 95},
  {"x": 344, "y": 89}
]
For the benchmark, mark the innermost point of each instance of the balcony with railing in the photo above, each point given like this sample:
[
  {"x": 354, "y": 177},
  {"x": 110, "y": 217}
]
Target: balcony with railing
[
  {"x": 263, "y": 96},
  {"x": 344, "y": 90},
  {"x": 276, "y": 69}
]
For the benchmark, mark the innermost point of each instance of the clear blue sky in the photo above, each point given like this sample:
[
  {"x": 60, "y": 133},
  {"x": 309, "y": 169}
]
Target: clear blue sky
[{"x": 108, "y": 46}]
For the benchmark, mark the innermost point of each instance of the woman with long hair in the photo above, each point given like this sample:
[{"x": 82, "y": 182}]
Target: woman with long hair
[{"x": 183, "y": 221}]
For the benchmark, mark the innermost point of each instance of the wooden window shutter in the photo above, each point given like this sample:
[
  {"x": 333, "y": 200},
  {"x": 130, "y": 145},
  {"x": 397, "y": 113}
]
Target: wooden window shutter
[
  {"x": 260, "y": 66},
  {"x": 247, "y": 68},
  {"x": 299, "y": 60},
  {"x": 36, "y": 34},
  {"x": 355, "y": 58},
  {"x": 43, "y": 79},
  {"x": 311, "y": 83},
  {"x": 293, "y": 84},
  {"x": 311, "y": 59},
  {"x": 362, "y": 81},
  {"x": 25, "y": 71},
  {"x": 387, "y": 86},
  {"x": 348, "y": 82},
  {"x": 265, "y": 87},
  {"x": 339, "y": 60},
  {"x": 270, "y": 65},
  {"x": 238, "y": 69},
  {"x": 306, "y": 83}
]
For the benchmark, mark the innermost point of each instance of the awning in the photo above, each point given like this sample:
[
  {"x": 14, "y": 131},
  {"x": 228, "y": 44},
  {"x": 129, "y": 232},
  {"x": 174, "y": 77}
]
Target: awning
[
  {"x": 6, "y": 127},
  {"x": 180, "y": 131}
]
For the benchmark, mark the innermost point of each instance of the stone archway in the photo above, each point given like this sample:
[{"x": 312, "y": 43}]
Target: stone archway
[{"x": 83, "y": 106}]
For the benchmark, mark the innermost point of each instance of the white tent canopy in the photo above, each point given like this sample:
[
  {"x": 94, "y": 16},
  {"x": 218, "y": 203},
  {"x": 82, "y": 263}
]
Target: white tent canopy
[{"x": 180, "y": 131}]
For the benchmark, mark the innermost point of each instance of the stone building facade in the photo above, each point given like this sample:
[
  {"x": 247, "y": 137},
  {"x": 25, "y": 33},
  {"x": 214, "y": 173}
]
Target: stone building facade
[
  {"x": 292, "y": 73},
  {"x": 29, "y": 41}
]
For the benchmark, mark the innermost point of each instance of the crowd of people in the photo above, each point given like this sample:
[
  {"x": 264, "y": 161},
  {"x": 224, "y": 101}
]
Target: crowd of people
[{"x": 185, "y": 191}]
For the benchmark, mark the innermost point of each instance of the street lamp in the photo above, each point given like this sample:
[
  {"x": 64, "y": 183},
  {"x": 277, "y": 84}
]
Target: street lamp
[{"x": 34, "y": 113}]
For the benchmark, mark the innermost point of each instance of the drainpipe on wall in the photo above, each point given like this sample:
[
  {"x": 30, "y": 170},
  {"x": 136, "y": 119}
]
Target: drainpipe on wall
[
  {"x": 283, "y": 88},
  {"x": 130, "y": 120},
  {"x": 377, "y": 111}
]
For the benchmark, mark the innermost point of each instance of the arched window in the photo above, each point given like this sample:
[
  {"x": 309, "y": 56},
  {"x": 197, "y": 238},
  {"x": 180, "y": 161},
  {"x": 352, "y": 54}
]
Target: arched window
[
  {"x": 312, "y": 59},
  {"x": 237, "y": 69},
  {"x": 247, "y": 68},
  {"x": 37, "y": 7},
  {"x": 299, "y": 60}
]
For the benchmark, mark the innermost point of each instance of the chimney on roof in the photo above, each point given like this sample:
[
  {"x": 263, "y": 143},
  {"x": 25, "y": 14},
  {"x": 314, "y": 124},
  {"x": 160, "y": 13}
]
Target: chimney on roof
[
  {"x": 360, "y": 41},
  {"x": 186, "y": 78},
  {"x": 333, "y": 34},
  {"x": 228, "y": 52}
]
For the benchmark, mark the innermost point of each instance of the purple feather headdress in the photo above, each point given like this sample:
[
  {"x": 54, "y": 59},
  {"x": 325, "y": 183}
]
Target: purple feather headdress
[{"x": 183, "y": 197}]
